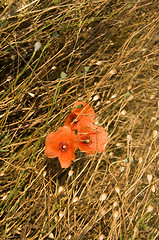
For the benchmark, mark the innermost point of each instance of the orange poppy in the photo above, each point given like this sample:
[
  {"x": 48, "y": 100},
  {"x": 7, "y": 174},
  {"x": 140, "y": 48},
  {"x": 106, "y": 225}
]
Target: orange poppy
[
  {"x": 81, "y": 115},
  {"x": 92, "y": 139},
  {"x": 62, "y": 144}
]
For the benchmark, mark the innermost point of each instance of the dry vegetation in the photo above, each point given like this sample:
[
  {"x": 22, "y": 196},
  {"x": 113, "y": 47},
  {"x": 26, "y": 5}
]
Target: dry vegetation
[{"x": 108, "y": 49}]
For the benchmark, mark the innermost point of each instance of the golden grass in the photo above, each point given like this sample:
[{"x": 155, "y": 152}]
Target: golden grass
[{"x": 106, "y": 48}]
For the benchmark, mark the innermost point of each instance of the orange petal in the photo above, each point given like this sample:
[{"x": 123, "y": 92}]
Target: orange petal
[
  {"x": 85, "y": 110},
  {"x": 54, "y": 141},
  {"x": 81, "y": 116},
  {"x": 65, "y": 158},
  {"x": 92, "y": 139},
  {"x": 50, "y": 150},
  {"x": 101, "y": 138},
  {"x": 71, "y": 120},
  {"x": 65, "y": 133}
]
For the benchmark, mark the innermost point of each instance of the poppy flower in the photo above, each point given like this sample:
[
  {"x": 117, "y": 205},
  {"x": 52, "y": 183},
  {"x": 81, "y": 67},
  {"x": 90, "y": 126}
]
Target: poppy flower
[
  {"x": 92, "y": 139},
  {"x": 62, "y": 144},
  {"x": 81, "y": 115}
]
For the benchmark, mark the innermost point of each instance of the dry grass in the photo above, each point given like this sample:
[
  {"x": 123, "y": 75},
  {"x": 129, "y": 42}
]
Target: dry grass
[{"x": 113, "y": 195}]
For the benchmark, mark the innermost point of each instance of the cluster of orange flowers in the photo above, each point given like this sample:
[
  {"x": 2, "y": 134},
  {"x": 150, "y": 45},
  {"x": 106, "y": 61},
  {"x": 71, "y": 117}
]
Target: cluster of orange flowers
[{"x": 77, "y": 132}]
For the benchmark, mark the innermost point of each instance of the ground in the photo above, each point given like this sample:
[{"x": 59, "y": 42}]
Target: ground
[{"x": 54, "y": 53}]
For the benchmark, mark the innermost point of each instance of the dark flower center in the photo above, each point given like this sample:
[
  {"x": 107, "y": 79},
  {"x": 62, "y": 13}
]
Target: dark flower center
[
  {"x": 87, "y": 140},
  {"x": 63, "y": 147},
  {"x": 74, "y": 119}
]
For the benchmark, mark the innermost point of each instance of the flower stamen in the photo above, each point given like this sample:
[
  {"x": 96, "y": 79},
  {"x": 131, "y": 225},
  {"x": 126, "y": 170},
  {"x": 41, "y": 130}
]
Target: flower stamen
[
  {"x": 87, "y": 140},
  {"x": 75, "y": 120},
  {"x": 63, "y": 147}
]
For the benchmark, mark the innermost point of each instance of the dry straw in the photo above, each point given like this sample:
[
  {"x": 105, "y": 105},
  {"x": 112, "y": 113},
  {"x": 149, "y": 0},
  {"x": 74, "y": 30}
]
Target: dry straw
[{"x": 54, "y": 53}]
